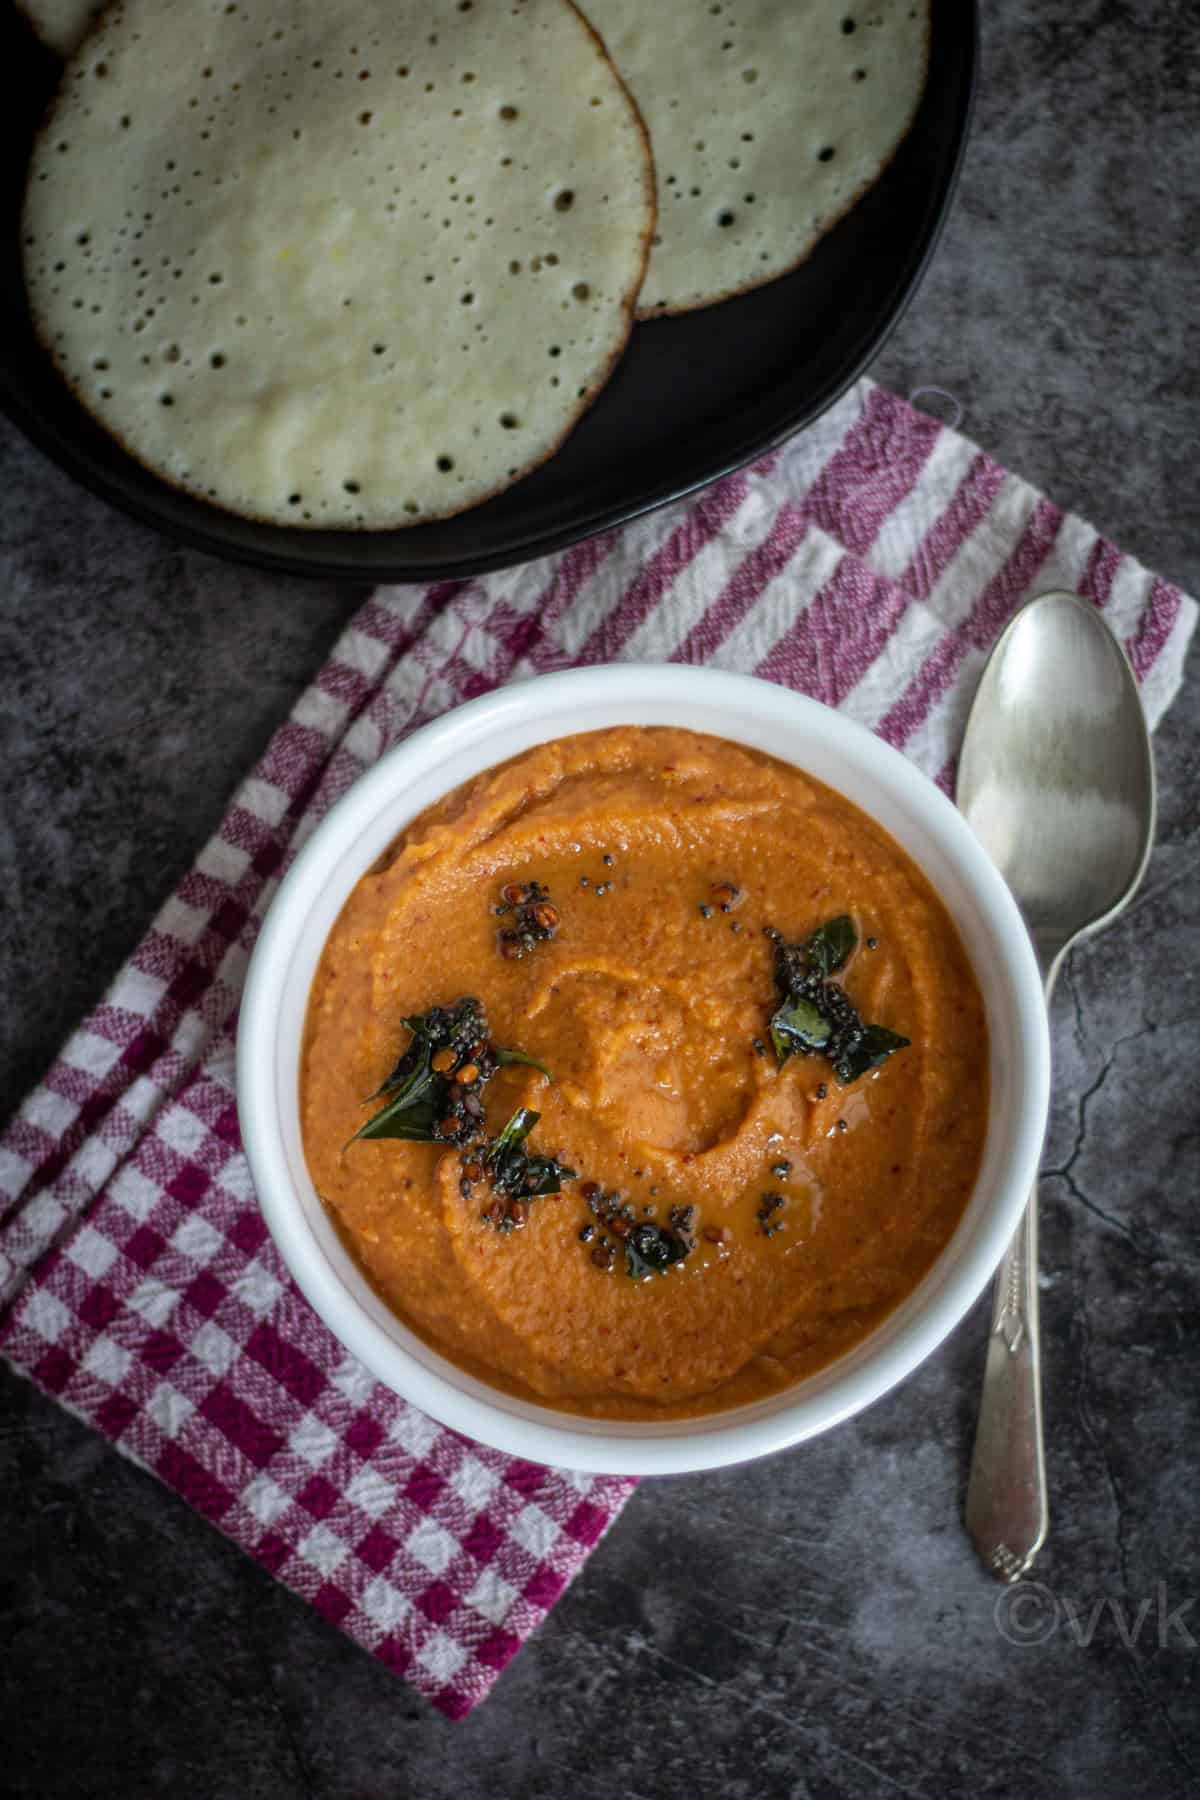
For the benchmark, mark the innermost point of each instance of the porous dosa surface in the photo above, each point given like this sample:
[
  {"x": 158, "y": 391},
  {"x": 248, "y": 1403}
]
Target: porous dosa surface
[
  {"x": 357, "y": 266},
  {"x": 767, "y": 119}
]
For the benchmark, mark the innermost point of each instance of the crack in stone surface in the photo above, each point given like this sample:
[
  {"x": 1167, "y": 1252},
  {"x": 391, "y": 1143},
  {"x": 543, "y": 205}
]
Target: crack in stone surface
[
  {"x": 1071, "y": 981},
  {"x": 1144, "y": 1243},
  {"x": 1157, "y": 1254}
]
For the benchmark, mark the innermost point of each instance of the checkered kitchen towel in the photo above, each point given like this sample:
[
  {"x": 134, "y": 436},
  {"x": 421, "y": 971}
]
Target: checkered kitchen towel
[{"x": 871, "y": 563}]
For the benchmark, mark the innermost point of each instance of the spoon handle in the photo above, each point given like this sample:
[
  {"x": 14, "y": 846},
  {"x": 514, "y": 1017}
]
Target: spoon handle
[{"x": 1006, "y": 1511}]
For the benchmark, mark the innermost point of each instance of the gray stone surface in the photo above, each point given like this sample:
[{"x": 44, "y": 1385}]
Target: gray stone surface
[{"x": 815, "y": 1625}]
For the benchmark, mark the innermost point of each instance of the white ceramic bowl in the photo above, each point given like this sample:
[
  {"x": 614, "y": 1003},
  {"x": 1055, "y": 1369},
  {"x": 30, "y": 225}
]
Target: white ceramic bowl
[{"x": 488, "y": 731}]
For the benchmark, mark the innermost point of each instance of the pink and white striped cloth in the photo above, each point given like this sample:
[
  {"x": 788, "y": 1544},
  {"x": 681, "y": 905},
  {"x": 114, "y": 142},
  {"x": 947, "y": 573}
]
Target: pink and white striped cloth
[{"x": 871, "y": 562}]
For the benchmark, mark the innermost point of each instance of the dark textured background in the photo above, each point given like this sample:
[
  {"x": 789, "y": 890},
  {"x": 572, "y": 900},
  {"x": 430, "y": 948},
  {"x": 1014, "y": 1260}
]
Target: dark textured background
[{"x": 814, "y": 1626}]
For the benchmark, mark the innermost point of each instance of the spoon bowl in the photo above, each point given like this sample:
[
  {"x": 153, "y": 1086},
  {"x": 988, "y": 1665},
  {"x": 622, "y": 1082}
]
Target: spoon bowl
[
  {"x": 1056, "y": 779},
  {"x": 1056, "y": 776}
]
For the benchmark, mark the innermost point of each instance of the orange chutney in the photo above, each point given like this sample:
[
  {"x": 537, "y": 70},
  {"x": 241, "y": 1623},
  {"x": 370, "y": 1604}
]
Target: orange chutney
[{"x": 815, "y": 1207}]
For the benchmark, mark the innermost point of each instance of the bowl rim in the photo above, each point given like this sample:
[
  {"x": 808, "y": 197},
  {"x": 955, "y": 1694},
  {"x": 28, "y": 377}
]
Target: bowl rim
[{"x": 626, "y": 692}]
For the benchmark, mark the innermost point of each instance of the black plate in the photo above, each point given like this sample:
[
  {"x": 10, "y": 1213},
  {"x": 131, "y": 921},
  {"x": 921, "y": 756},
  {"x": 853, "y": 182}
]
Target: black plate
[{"x": 693, "y": 398}]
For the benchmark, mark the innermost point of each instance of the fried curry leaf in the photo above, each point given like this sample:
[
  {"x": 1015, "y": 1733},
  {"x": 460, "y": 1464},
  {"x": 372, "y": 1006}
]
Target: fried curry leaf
[
  {"x": 514, "y": 1133},
  {"x": 798, "y": 1027},
  {"x": 519, "y": 1056},
  {"x": 403, "y": 1118},
  {"x": 873, "y": 1047},
  {"x": 830, "y": 947},
  {"x": 515, "y": 1173},
  {"x": 652, "y": 1250},
  {"x": 426, "y": 1104},
  {"x": 412, "y": 1074},
  {"x": 544, "y": 1176},
  {"x": 456, "y": 1028},
  {"x": 816, "y": 1016}
]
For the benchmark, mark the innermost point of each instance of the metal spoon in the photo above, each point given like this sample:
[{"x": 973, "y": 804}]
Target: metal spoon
[{"x": 1056, "y": 779}]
